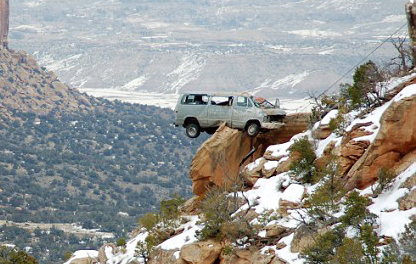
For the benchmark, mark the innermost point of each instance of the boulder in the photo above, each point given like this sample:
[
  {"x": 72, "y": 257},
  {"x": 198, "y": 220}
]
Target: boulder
[
  {"x": 305, "y": 237},
  {"x": 322, "y": 132},
  {"x": 247, "y": 257},
  {"x": 190, "y": 207},
  {"x": 408, "y": 201},
  {"x": 277, "y": 231},
  {"x": 410, "y": 182},
  {"x": 217, "y": 160},
  {"x": 269, "y": 168},
  {"x": 201, "y": 252},
  {"x": 160, "y": 256}
]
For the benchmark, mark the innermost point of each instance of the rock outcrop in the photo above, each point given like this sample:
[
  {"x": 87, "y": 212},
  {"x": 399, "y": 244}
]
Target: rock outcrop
[
  {"x": 217, "y": 160},
  {"x": 394, "y": 148},
  {"x": 4, "y": 21}
]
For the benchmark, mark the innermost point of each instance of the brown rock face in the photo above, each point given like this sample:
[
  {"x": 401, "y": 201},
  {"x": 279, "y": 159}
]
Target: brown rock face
[
  {"x": 217, "y": 160},
  {"x": 393, "y": 148},
  {"x": 202, "y": 252}
]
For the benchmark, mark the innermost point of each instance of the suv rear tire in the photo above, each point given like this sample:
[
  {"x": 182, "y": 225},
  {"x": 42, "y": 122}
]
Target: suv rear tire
[
  {"x": 193, "y": 130},
  {"x": 252, "y": 129}
]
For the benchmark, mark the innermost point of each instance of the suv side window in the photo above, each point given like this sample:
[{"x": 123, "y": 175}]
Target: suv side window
[{"x": 222, "y": 100}]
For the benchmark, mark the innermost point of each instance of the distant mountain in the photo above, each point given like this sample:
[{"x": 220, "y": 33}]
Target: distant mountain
[
  {"x": 66, "y": 157},
  {"x": 277, "y": 48}
]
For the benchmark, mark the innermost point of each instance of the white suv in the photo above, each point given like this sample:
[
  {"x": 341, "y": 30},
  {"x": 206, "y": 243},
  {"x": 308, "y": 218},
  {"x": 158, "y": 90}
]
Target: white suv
[{"x": 199, "y": 112}]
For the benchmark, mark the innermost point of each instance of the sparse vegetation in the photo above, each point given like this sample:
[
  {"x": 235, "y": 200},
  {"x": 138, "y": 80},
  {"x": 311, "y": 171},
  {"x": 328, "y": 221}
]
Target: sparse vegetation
[
  {"x": 303, "y": 168},
  {"x": 72, "y": 167},
  {"x": 160, "y": 226},
  {"x": 15, "y": 256}
]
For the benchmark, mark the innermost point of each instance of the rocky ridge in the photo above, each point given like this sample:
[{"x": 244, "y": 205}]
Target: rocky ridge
[
  {"x": 27, "y": 87},
  {"x": 385, "y": 137}
]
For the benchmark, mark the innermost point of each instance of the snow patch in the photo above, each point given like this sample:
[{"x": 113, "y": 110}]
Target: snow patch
[
  {"x": 189, "y": 70},
  {"x": 392, "y": 221},
  {"x": 315, "y": 33},
  {"x": 289, "y": 81},
  {"x": 136, "y": 83}
]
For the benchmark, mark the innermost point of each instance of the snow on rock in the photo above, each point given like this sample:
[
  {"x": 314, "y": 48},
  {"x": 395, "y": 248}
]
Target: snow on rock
[
  {"x": 375, "y": 116},
  {"x": 327, "y": 118},
  {"x": 269, "y": 165},
  {"x": 81, "y": 254},
  {"x": 293, "y": 193},
  {"x": 266, "y": 193},
  {"x": 186, "y": 237},
  {"x": 285, "y": 252}
]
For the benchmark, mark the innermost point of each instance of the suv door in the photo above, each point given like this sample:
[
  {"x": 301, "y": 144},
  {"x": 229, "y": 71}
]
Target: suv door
[
  {"x": 219, "y": 110},
  {"x": 242, "y": 111}
]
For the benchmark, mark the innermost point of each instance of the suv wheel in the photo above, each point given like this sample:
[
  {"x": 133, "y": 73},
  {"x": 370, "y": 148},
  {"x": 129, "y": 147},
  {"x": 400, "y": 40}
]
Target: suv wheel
[
  {"x": 193, "y": 130},
  {"x": 252, "y": 129}
]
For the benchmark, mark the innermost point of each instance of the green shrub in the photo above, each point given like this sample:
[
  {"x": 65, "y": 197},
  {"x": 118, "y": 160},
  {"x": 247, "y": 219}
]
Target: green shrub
[
  {"x": 217, "y": 209},
  {"x": 407, "y": 240},
  {"x": 227, "y": 250},
  {"x": 303, "y": 167},
  {"x": 149, "y": 221},
  {"x": 121, "y": 242},
  {"x": 356, "y": 210},
  {"x": 366, "y": 77},
  {"x": 339, "y": 124},
  {"x": 67, "y": 255},
  {"x": 160, "y": 226},
  {"x": 370, "y": 241},
  {"x": 385, "y": 178},
  {"x": 349, "y": 252},
  {"x": 325, "y": 199},
  {"x": 169, "y": 208},
  {"x": 323, "y": 250},
  {"x": 15, "y": 256}
]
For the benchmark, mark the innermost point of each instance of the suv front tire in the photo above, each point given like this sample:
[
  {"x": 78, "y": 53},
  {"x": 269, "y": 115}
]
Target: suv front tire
[{"x": 252, "y": 129}]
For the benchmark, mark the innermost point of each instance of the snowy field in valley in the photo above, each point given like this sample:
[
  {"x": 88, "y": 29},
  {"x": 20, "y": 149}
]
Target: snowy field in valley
[{"x": 169, "y": 100}]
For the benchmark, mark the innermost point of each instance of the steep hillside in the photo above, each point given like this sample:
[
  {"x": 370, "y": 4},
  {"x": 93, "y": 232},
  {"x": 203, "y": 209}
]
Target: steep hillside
[
  {"x": 66, "y": 157},
  {"x": 307, "y": 204}
]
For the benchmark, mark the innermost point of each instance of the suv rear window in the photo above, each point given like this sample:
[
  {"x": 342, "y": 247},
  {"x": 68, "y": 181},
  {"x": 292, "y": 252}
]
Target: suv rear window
[{"x": 195, "y": 99}]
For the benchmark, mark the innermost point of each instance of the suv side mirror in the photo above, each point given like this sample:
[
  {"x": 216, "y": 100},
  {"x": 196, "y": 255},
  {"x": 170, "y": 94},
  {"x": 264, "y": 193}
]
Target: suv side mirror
[{"x": 277, "y": 103}]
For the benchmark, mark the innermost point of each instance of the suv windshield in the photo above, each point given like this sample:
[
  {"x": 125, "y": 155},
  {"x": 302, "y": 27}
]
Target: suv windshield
[{"x": 255, "y": 102}]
